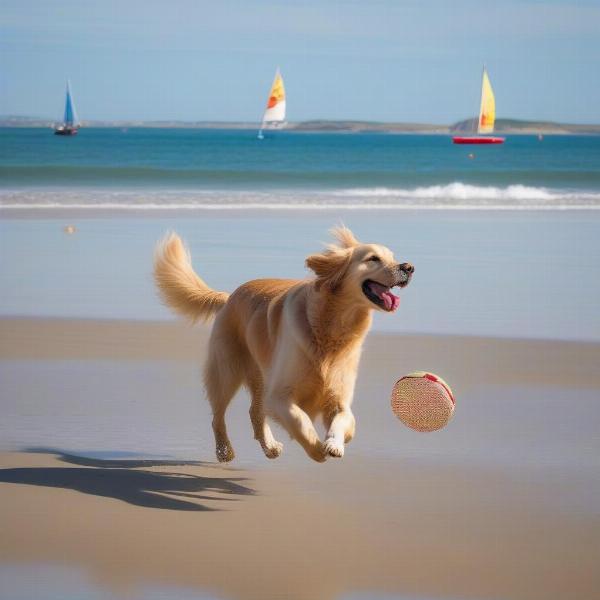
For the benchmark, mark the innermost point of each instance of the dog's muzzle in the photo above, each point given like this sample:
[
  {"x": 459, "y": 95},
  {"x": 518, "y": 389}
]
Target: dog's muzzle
[{"x": 405, "y": 272}]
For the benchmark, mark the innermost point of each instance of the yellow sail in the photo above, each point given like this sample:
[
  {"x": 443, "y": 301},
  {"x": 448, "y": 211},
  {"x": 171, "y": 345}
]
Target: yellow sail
[
  {"x": 277, "y": 93},
  {"x": 487, "y": 112}
]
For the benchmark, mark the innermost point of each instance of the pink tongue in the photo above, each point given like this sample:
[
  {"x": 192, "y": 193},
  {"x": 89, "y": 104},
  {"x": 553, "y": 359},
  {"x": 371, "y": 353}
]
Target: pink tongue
[
  {"x": 390, "y": 301},
  {"x": 395, "y": 301}
]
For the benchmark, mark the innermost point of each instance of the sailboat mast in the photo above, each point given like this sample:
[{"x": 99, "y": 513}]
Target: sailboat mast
[{"x": 481, "y": 100}]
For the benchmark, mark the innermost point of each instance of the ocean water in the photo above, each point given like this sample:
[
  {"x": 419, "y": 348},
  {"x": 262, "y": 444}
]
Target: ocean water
[{"x": 211, "y": 169}]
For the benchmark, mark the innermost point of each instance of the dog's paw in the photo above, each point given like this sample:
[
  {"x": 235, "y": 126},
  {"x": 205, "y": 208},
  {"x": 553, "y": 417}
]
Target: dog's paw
[
  {"x": 273, "y": 450},
  {"x": 225, "y": 452},
  {"x": 317, "y": 452},
  {"x": 334, "y": 448}
]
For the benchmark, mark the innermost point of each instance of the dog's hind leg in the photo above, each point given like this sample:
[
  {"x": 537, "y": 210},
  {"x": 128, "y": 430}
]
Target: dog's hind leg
[
  {"x": 222, "y": 380},
  {"x": 262, "y": 432}
]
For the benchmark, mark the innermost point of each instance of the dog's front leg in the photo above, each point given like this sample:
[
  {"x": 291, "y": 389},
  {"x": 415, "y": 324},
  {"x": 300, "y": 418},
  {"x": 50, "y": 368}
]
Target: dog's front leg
[
  {"x": 298, "y": 424},
  {"x": 340, "y": 429}
]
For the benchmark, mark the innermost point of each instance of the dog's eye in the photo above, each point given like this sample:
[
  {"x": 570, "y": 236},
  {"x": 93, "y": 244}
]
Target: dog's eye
[{"x": 373, "y": 259}]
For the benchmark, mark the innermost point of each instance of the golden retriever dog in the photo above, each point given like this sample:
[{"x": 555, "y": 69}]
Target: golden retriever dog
[{"x": 294, "y": 344}]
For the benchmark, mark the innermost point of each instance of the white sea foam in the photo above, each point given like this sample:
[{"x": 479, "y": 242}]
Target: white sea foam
[
  {"x": 453, "y": 196},
  {"x": 458, "y": 191}
]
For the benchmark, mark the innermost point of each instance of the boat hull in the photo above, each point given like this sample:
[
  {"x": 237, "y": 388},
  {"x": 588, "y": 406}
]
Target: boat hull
[
  {"x": 477, "y": 140},
  {"x": 66, "y": 131}
]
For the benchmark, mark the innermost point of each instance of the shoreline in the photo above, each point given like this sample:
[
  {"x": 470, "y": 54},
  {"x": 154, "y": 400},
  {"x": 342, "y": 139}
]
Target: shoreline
[
  {"x": 238, "y": 211},
  {"x": 457, "y": 195}
]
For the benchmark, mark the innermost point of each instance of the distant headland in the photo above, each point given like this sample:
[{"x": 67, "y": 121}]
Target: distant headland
[{"x": 506, "y": 126}]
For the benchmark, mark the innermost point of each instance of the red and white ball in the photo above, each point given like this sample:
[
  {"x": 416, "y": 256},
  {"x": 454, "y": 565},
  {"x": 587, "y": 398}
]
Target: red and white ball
[{"x": 423, "y": 401}]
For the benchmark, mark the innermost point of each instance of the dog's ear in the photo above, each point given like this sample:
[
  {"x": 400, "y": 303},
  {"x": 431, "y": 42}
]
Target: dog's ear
[
  {"x": 344, "y": 237},
  {"x": 330, "y": 266}
]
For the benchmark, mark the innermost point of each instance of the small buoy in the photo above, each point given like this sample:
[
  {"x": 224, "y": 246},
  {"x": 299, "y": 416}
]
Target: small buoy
[
  {"x": 471, "y": 156},
  {"x": 69, "y": 229}
]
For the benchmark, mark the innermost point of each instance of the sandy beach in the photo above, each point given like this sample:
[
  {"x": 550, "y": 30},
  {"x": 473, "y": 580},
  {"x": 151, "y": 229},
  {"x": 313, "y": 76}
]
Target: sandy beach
[
  {"x": 403, "y": 515},
  {"x": 359, "y": 526}
]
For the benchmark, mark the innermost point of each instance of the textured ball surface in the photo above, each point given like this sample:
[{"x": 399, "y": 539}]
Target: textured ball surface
[{"x": 423, "y": 401}]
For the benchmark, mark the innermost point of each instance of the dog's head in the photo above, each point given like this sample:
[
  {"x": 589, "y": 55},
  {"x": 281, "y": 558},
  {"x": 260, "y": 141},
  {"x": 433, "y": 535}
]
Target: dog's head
[{"x": 363, "y": 273}]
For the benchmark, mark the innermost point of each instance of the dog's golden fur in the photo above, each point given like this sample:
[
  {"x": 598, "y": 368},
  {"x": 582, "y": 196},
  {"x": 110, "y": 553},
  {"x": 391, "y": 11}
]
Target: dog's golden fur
[{"x": 295, "y": 344}]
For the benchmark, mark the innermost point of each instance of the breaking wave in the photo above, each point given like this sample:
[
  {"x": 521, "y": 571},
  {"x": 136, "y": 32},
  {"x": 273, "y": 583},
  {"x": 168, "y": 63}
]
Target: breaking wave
[
  {"x": 462, "y": 192},
  {"x": 453, "y": 196}
]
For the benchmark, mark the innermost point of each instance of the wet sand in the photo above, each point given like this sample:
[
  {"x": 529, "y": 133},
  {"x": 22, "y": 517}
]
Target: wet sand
[
  {"x": 357, "y": 526},
  {"x": 387, "y": 519},
  {"x": 468, "y": 360}
]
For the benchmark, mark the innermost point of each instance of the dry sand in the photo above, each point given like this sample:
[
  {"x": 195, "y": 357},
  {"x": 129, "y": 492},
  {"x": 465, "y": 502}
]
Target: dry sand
[{"x": 361, "y": 525}]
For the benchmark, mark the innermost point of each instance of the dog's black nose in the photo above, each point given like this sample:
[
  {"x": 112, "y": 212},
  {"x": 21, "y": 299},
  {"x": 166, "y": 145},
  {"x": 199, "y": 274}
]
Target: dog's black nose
[{"x": 406, "y": 267}]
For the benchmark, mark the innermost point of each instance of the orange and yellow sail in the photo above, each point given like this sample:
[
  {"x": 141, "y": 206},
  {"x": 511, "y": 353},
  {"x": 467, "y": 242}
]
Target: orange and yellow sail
[
  {"x": 275, "y": 111},
  {"x": 487, "y": 111}
]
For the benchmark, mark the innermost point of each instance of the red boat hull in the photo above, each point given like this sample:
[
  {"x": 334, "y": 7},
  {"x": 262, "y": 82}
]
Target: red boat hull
[{"x": 477, "y": 140}]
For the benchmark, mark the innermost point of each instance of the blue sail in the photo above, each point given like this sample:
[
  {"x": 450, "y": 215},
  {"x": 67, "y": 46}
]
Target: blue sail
[{"x": 70, "y": 115}]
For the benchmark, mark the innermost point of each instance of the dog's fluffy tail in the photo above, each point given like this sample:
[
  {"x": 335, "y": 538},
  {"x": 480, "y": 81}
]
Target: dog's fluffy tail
[{"x": 181, "y": 289}]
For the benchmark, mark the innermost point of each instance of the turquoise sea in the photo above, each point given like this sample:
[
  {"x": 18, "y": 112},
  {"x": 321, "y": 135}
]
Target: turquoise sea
[{"x": 196, "y": 169}]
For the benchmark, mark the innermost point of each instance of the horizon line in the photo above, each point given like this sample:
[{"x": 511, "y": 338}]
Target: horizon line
[{"x": 16, "y": 117}]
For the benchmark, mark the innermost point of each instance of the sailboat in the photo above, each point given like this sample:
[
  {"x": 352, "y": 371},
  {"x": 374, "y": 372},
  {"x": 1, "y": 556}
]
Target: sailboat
[
  {"x": 487, "y": 116},
  {"x": 70, "y": 124},
  {"x": 274, "y": 116}
]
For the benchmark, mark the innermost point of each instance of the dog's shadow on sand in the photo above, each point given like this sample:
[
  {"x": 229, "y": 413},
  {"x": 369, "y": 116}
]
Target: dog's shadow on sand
[{"x": 132, "y": 482}]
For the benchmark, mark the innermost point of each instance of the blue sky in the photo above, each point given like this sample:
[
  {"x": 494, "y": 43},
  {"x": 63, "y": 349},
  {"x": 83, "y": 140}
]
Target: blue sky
[{"x": 413, "y": 60}]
